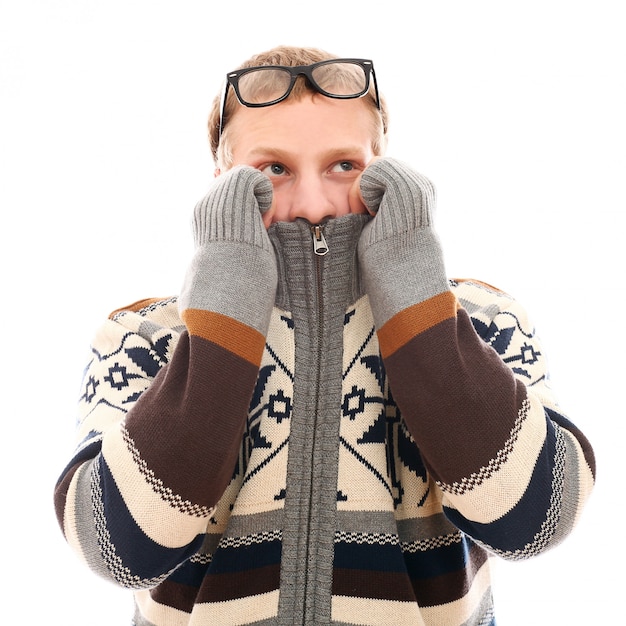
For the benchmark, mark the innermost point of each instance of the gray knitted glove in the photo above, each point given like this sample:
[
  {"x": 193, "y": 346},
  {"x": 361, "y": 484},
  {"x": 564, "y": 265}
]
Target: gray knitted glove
[
  {"x": 232, "y": 209},
  {"x": 233, "y": 272},
  {"x": 399, "y": 252}
]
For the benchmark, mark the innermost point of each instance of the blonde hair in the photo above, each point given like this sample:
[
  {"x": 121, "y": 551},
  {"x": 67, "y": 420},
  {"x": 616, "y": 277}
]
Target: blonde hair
[{"x": 289, "y": 56}]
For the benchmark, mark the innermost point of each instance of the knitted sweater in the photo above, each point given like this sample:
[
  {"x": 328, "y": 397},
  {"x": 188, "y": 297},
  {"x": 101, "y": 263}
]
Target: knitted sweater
[{"x": 379, "y": 467}]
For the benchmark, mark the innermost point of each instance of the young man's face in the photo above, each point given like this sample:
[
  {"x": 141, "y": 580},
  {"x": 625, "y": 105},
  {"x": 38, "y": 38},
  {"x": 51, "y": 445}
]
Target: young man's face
[{"x": 313, "y": 150}]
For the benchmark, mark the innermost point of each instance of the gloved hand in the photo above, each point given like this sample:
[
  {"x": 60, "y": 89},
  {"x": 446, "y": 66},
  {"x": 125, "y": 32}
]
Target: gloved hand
[
  {"x": 409, "y": 196},
  {"x": 232, "y": 209},
  {"x": 233, "y": 272},
  {"x": 399, "y": 251}
]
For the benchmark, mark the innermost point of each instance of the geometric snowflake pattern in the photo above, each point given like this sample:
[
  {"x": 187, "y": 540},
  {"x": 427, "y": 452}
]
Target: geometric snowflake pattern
[{"x": 372, "y": 433}]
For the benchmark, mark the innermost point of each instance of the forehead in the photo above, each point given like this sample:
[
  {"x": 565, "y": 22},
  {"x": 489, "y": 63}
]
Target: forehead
[{"x": 312, "y": 121}]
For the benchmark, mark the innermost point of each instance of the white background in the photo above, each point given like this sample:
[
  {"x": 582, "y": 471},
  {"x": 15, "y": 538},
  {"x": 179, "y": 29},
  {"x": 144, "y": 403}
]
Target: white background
[{"x": 514, "y": 110}]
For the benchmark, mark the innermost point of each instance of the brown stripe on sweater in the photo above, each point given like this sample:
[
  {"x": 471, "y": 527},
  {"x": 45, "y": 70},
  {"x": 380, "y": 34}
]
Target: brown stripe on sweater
[
  {"x": 186, "y": 428},
  {"x": 414, "y": 320},
  {"x": 455, "y": 394},
  {"x": 175, "y": 595},
  {"x": 244, "y": 341},
  {"x": 234, "y": 585},
  {"x": 358, "y": 583},
  {"x": 438, "y": 590}
]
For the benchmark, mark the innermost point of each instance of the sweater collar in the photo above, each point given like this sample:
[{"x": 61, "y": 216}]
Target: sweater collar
[{"x": 299, "y": 268}]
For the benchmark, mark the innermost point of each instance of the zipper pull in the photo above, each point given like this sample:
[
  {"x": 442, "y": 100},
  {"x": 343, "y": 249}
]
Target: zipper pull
[{"x": 320, "y": 247}]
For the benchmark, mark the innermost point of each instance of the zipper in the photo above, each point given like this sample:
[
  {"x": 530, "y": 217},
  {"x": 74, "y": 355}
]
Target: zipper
[{"x": 320, "y": 247}]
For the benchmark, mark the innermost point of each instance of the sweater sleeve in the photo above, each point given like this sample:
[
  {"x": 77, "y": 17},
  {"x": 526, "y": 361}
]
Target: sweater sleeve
[
  {"x": 163, "y": 412},
  {"x": 160, "y": 426},
  {"x": 514, "y": 471}
]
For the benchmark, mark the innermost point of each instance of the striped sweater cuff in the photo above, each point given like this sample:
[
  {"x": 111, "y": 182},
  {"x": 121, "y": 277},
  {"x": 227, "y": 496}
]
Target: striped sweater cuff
[
  {"x": 228, "y": 294},
  {"x": 402, "y": 272},
  {"x": 228, "y": 333},
  {"x": 414, "y": 320}
]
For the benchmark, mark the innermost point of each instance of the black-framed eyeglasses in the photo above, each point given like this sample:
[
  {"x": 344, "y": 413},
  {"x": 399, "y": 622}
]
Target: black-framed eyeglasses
[{"x": 266, "y": 85}]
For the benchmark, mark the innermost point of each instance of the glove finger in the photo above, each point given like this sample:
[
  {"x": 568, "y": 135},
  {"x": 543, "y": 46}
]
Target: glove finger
[
  {"x": 372, "y": 189},
  {"x": 263, "y": 192}
]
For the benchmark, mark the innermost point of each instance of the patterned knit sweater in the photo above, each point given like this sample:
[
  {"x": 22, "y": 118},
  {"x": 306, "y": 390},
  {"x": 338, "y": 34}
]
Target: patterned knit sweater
[{"x": 375, "y": 472}]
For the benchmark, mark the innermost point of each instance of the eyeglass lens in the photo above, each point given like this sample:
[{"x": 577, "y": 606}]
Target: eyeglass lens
[
  {"x": 267, "y": 84},
  {"x": 264, "y": 85},
  {"x": 340, "y": 79}
]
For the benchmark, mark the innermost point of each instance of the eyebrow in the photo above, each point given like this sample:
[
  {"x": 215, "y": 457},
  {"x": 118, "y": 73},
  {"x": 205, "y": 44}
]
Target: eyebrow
[{"x": 334, "y": 153}]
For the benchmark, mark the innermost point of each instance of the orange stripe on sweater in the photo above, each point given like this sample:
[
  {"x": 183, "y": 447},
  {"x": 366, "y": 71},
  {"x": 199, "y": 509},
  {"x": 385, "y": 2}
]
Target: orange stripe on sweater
[
  {"x": 413, "y": 320},
  {"x": 234, "y": 336}
]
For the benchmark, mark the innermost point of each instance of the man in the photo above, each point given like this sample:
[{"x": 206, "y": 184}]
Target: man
[{"x": 321, "y": 428}]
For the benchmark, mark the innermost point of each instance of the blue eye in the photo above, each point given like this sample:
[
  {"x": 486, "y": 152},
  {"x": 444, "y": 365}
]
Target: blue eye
[
  {"x": 274, "y": 169},
  {"x": 343, "y": 166}
]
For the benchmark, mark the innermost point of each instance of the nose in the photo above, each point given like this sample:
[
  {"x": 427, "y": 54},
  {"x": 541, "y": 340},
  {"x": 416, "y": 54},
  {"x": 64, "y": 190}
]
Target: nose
[{"x": 312, "y": 199}]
